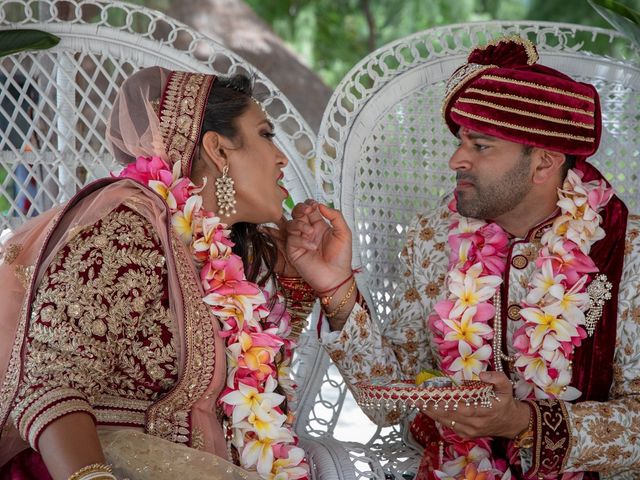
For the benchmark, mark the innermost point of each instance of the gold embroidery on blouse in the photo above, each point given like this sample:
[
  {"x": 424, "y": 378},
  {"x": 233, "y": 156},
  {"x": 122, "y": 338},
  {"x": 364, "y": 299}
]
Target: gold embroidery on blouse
[
  {"x": 103, "y": 295},
  {"x": 169, "y": 418}
]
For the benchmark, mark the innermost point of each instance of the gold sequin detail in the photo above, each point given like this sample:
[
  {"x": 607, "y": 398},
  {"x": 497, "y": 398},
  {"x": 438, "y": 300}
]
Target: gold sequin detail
[
  {"x": 11, "y": 253},
  {"x": 24, "y": 274},
  {"x": 181, "y": 113}
]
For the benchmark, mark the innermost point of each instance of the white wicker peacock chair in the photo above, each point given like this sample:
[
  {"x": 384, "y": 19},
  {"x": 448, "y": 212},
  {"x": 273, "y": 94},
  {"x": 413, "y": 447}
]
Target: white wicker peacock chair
[
  {"x": 383, "y": 147},
  {"x": 54, "y": 104}
]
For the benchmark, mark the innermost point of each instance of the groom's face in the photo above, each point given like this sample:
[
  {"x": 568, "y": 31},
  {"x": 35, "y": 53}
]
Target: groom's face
[{"x": 493, "y": 176}]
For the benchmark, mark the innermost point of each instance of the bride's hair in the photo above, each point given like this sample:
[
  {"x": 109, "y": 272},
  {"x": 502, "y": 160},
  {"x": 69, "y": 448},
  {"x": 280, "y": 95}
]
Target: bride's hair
[{"x": 229, "y": 99}]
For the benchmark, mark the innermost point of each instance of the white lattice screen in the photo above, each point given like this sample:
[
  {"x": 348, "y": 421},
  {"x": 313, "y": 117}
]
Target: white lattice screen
[{"x": 54, "y": 103}]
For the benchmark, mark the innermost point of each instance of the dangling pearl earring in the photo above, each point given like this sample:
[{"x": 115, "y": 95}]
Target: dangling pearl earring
[{"x": 225, "y": 193}]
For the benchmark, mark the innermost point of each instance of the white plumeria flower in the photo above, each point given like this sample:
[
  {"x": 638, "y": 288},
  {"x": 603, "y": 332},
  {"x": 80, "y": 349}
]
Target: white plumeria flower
[
  {"x": 289, "y": 468},
  {"x": 469, "y": 364},
  {"x": 535, "y": 369},
  {"x": 259, "y": 452},
  {"x": 463, "y": 251},
  {"x": 546, "y": 323},
  {"x": 469, "y": 289},
  {"x": 182, "y": 220},
  {"x": 543, "y": 282},
  {"x": 466, "y": 330},
  {"x": 467, "y": 225},
  {"x": 247, "y": 399},
  {"x": 265, "y": 421},
  {"x": 571, "y": 303}
]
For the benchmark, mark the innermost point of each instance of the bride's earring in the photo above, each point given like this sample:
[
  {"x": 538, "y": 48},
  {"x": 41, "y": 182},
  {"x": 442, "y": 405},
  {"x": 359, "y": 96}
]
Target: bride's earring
[{"x": 225, "y": 193}]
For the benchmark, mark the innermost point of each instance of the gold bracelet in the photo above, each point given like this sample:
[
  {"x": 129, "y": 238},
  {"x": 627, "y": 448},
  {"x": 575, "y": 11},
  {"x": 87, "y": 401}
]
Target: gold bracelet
[
  {"x": 343, "y": 301},
  {"x": 94, "y": 471}
]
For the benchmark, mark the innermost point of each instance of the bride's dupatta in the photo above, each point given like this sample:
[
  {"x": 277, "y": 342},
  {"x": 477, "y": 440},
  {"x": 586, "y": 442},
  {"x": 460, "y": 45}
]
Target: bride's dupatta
[{"x": 185, "y": 415}]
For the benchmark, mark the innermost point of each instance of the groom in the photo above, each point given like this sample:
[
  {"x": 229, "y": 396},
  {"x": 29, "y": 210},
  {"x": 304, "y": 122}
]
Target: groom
[{"x": 535, "y": 291}]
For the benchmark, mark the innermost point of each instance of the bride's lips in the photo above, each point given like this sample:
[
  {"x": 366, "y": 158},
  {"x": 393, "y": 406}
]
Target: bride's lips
[{"x": 280, "y": 184}]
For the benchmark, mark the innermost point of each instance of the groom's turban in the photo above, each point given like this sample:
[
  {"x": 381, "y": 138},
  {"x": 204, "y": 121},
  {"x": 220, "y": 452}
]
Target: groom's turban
[{"x": 501, "y": 91}]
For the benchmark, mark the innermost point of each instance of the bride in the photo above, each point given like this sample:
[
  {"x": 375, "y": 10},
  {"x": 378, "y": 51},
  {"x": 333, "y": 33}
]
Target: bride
[{"x": 152, "y": 308}]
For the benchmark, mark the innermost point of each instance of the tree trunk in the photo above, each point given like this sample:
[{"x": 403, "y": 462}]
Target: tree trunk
[{"x": 234, "y": 24}]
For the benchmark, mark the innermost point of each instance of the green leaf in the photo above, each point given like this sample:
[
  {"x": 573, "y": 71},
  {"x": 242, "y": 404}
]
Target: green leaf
[
  {"x": 14, "y": 41},
  {"x": 624, "y": 19}
]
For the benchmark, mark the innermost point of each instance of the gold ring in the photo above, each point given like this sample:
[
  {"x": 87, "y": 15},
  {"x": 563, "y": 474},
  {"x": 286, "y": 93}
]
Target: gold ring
[{"x": 453, "y": 423}]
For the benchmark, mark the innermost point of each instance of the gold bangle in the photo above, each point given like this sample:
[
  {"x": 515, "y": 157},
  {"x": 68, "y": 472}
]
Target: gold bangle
[
  {"x": 343, "y": 301},
  {"x": 95, "y": 468},
  {"x": 525, "y": 438}
]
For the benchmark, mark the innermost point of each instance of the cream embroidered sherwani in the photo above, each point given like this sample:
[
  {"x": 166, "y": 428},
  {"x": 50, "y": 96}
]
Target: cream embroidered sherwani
[{"x": 606, "y": 436}]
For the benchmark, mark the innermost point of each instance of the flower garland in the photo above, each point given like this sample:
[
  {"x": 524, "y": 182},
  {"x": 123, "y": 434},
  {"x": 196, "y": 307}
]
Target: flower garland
[
  {"x": 553, "y": 311},
  {"x": 258, "y": 349}
]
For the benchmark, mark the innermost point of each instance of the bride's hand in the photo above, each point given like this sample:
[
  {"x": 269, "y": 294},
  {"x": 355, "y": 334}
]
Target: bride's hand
[{"x": 279, "y": 237}]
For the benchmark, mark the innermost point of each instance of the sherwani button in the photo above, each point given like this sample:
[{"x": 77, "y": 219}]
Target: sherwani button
[
  {"x": 513, "y": 312},
  {"x": 519, "y": 262}
]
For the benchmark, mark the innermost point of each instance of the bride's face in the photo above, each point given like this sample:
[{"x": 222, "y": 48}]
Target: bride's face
[{"x": 256, "y": 164}]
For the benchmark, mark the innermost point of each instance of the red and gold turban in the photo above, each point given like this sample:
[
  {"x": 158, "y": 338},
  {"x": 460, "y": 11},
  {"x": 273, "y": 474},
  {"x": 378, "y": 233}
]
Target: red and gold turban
[{"x": 501, "y": 91}]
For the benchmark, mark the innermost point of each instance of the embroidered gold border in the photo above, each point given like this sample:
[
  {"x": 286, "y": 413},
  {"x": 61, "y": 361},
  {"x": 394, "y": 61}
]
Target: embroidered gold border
[
  {"x": 181, "y": 113},
  {"x": 529, "y": 100},
  {"x": 110, "y": 416},
  {"x": 565, "y": 414},
  {"x": 169, "y": 418},
  {"x": 53, "y": 413},
  {"x": 524, "y": 129},
  {"x": 10, "y": 384},
  {"x": 537, "y": 453},
  {"x": 524, "y": 113},
  {"x": 29, "y": 414},
  {"x": 465, "y": 77},
  {"x": 539, "y": 87}
]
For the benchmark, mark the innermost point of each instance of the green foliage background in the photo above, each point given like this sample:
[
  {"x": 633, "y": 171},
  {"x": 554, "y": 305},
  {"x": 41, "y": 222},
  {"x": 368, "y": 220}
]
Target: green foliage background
[{"x": 333, "y": 35}]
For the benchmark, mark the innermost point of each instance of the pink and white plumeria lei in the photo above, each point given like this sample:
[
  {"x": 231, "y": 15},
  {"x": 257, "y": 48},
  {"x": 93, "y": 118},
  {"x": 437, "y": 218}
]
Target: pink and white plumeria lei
[
  {"x": 553, "y": 311},
  {"x": 254, "y": 334}
]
